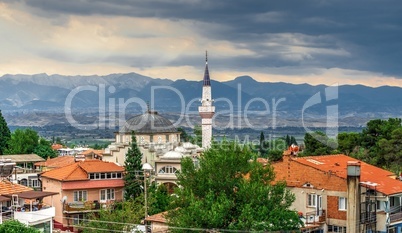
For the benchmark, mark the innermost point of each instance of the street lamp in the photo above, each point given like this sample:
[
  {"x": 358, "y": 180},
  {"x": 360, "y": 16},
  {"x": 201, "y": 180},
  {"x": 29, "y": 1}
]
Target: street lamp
[{"x": 146, "y": 167}]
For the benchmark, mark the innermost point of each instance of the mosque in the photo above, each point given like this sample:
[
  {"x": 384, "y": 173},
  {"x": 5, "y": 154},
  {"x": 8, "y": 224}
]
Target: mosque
[{"x": 159, "y": 141}]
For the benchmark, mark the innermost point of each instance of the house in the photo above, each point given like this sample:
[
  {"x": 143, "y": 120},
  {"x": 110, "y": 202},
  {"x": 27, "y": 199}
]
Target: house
[
  {"x": 53, "y": 163},
  {"x": 325, "y": 187},
  {"x": 158, "y": 222},
  {"x": 89, "y": 154},
  {"x": 21, "y": 203},
  {"x": 24, "y": 172},
  {"x": 83, "y": 187}
]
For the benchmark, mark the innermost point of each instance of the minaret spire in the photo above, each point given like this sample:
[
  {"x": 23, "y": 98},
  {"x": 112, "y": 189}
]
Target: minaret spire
[
  {"x": 206, "y": 109},
  {"x": 207, "y": 81}
]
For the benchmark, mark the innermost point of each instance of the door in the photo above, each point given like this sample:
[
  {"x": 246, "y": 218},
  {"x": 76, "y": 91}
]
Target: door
[{"x": 319, "y": 205}]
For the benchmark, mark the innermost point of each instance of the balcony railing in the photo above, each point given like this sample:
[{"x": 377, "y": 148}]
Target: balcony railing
[
  {"x": 29, "y": 217},
  {"x": 87, "y": 206},
  {"x": 315, "y": 217},
  {"x": 395, "y": 213}
]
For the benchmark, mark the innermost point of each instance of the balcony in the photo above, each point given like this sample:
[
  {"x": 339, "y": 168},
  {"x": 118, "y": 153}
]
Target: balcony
[
  {"x": 395, "y": 214},
  {"x": 81, "y": 207},
  {"x": 315, "y": 217},
  {"x": 32, "y": 217}
]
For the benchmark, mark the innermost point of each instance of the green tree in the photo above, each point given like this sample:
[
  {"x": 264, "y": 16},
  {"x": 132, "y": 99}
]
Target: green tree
[
  {"x": 276, "y": 148},
  {"x": 293, "y": 141},
  {"x": 197, "y": 139},
  {"x": 159, "y": 199},
  {"x": 287, "y": 140},
  {"x": 132, "y": 180},
  {"x": 23, "y": 141},
  {"x": 228, "y": 191},
  {"x": 44, "y": 149},
  {"x": 391, "y": 150},
  {"x": 120, "y": 217},
  {"x": 5, "y": 135},
  {"x": 14, "y": 226},
  {"x": 347, "y": 142},
  {"x": 184, "y": 137},
  {"x": 263, "y": 146},
  {"x": 318, "y": 143}
]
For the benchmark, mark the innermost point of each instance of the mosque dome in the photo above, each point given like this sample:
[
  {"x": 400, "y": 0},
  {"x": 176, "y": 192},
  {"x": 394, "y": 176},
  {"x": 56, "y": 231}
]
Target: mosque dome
[
  {"x": 172, "y": 155},
  {"x": 149, "y": 123}
]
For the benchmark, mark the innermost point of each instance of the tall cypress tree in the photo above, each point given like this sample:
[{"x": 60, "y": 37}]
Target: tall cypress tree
[
  {"x": 132, "y": 180},
  {"x": 5, "y": 134}
]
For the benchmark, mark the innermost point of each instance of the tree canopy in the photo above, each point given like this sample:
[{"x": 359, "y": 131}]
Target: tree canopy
[
  {"x": 5, "y": 135},
  {"x": 230, "y": 190},
  {"x": 379, "y": 144},
  {"x": 27, "y": 141},
  {"x": 14, "y": 226},
  {"x": 122, "y": 216},
  {"x": 132, "y": 178},
  {"x": 318, "y": 143},
  {"x": 197, "y": 139}
]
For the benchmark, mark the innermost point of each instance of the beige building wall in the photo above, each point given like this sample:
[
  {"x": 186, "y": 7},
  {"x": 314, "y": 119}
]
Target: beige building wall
[
  {"x": 159, "y": 227},
  {"x": 50, "y": 185}
]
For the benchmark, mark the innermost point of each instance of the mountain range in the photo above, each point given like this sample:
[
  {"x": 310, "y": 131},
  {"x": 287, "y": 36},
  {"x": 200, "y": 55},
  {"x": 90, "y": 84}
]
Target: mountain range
[{"x": 54, "y": 93}]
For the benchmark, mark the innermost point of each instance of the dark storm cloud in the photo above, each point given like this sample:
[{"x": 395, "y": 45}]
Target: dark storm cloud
[{"x": 362, "y": 34}]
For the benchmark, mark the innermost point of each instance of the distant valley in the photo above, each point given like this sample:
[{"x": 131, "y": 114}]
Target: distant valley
[{"x": 42, "y": 100}]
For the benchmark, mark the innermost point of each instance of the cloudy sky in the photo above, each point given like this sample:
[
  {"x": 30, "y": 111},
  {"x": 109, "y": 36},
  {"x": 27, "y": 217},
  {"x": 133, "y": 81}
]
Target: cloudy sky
[{"x": 309, "y": 41}]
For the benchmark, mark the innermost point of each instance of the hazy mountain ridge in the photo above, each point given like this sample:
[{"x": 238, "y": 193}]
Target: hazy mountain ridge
[{"x": 42, "y": 92}]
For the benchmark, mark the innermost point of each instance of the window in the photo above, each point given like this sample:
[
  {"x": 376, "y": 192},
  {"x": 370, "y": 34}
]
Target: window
[
  {"x": 167, "y": 170},
  {"x": 342, "y": 203},
  {"x": 80, "y": 196},
  {"x": 106, "y": 194},
  {"x": 34, "y": 183},
  {"x": 311, "y": 200},
  {"x": 91, "y": 176},
  {"x": 119, "y": 175},
  {"x": 102, "y": 176},
  {"x": 78, "y": 218},
  {"x": 333, "y": 228}
]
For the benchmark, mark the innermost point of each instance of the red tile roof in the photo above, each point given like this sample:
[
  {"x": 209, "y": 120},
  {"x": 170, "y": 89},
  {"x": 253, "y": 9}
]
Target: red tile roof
[
  {"x": 57, "y": 162},
  {"x": 114, "y": 183},
  {"x": 160, "y": 217},
  {"x": 337, "y": 165},
  {"x": 57, "y": 146},
  {"x": 80, "y": 170},
  {"x": 6, "y": 187}
]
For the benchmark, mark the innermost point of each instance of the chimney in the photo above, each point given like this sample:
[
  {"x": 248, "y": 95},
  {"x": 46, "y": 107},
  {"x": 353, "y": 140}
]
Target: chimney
[{"x": 353, "y": 198}]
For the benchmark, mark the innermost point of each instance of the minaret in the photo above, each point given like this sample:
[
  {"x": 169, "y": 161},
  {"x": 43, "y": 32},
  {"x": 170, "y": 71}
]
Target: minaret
[{"x": 206, "y": 109}]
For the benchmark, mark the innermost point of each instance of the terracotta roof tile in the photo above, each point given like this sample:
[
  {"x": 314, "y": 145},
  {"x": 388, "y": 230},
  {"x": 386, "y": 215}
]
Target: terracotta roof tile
[
  {"x": 57, "y": 146},
  {"x": 160, "y": 217},
  {"x": 100, "y": 166},
  {"x": 57, "y": 162},
  {"x": 337, "y": 165},
  {"x": 80, "y": 170},
  {"x": 89, "y": 184},
  {"x": 6, "y": 187}
]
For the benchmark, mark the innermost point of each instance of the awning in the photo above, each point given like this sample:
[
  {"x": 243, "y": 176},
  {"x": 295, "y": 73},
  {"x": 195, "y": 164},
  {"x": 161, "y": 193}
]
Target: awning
[
  {"x": 3, "y": 198},
  {"x": 32, "y": 194}
]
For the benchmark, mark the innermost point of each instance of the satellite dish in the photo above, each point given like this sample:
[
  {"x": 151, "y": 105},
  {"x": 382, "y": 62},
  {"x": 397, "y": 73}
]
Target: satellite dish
[
  {"x": 6, "y": 168},
  {"x": 64, "y": 199}
]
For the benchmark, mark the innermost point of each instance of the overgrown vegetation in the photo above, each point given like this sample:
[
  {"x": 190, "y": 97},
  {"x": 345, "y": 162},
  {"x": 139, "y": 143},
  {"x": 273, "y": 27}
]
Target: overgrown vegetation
[
  {"x": 379, "y": 144},
  {"x": 228, "y": 191}
]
